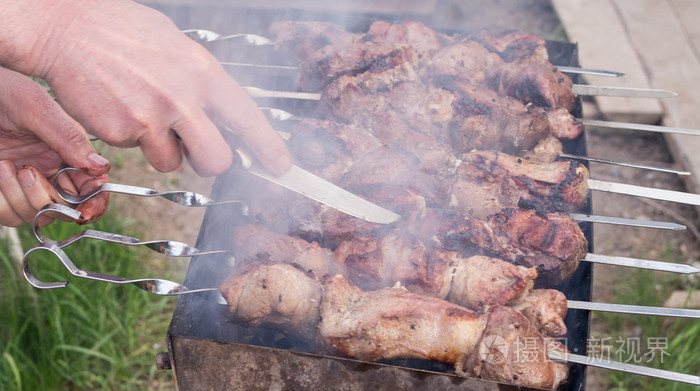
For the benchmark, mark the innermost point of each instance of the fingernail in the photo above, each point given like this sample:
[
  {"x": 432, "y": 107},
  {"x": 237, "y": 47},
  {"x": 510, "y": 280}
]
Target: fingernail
[
  {"x": 281, "y": 164},
  {"x": 6, "y": 170},
  {"x": 26, "y": 177},
  {"x": 97, "y": 160}
]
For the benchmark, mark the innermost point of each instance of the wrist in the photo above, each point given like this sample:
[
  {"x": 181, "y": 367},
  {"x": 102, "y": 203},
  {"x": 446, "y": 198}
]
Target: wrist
[{"x": 31, "y": 30}]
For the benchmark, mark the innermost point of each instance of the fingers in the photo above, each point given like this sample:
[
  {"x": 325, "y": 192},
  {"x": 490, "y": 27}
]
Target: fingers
[
  {"x": 36, "y": 111},
  {"x": 205, "y": 147},
  {"x": 22, "y": 193},
  {"x": 238, "y": 111},
  {"x": 162, "y": 152}
]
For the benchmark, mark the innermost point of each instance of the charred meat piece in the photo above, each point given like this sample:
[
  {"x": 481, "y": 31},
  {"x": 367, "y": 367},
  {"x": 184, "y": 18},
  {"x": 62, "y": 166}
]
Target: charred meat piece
[
  {"x": 392, "y": 323},
  {"x": 540, "y": 85},
  {"x": 372, "y": 263},
  {"x": 414, "y": 34},
  {"x": 552, "y": 242},
  {"x": 252, "y": 243},
  {"x": 514, "y": 46},
  {"x": 395, "y": 167},
  {"x": 480, "y": 282},
  {"x": 328, "y": 148},
  {"x": 546, "y": 309},
  {"x": 511, "y": 350},
  {"x": 297, "y": 41},
  {"x": 276, "y": 295},
  {"x": 331, "y": 62},
  {"x": 465, "y": 60},
  {"x": 557, "y": 185}
]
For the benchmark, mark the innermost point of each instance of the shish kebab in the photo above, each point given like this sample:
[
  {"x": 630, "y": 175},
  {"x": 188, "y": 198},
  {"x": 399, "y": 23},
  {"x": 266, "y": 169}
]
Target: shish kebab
[
  {"x": 306, "y": 313},
  {"x": 640, "y": 191},
  {"x": 208, "y": 36}
]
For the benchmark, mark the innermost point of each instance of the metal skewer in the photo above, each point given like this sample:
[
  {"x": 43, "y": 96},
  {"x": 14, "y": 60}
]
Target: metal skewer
[
  {"x": 641, "y": 263},
  {"x": 185, "y": 198},
  {"x": 624, "y": 367},
  {"x": 634, "y": 309},
  {"x": 152, "y": 285},
  {"x": 166, "y": 247}
]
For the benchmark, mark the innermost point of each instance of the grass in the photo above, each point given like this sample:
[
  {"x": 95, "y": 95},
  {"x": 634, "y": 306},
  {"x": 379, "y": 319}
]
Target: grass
[
  {"x": 89, "y": 335},
  {"x": 677, "y": 340}
]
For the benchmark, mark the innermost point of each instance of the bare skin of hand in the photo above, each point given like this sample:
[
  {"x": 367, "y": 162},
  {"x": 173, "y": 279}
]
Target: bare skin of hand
[
  {"x": 37, "y": 138},
  {"x": 129, "y": 76}
]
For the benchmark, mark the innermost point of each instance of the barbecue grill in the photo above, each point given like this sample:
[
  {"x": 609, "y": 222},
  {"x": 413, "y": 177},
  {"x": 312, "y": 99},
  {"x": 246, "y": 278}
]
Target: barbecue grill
[{"x": 207, "y": 352}]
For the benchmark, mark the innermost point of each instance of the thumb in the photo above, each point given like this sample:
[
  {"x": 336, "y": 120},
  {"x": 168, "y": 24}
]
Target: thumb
[{"x": 48, "y": 121}]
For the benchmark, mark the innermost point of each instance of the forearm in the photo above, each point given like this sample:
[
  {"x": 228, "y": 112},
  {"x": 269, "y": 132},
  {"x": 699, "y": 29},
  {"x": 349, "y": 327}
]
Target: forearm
[{"x": 30, "y": 28}]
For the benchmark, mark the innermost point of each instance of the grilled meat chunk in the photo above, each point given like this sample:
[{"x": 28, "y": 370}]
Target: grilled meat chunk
[
  {"x": 511, "y": 350},
  {"x": 297, "y": 41},
  {"x": 252, "y": 243},
  {"x": 539, "y": 84},
  {"x": 276, "y": 295},
  {"x": 544, "y": 186},
  {"x": 546, "y": 309},
  {"x": 514, "y": 46},
  {"x": 392, "y": 323},
  {"x": 480, "y": 282},
  {"x": 552, "y": 242}
]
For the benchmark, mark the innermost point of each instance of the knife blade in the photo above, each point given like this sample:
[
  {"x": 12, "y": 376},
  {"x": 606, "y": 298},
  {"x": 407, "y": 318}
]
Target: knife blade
[
  {"x": 633, "y": 126},
  {"x": 646, "y": 192},
  {"x": 633, "y": 309},
  {"x": 305, "y": 183},
  {"x": 624, "y": 367},
  {"x": 641, "y": 263},
  {"x": 583, "y": 89}
]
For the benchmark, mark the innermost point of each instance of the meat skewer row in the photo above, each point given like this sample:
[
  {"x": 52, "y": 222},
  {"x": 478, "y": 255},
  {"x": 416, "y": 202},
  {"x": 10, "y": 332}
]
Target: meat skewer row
[
  {"x": 514, "y": 64},
  {"x": 391, "y": 323}
]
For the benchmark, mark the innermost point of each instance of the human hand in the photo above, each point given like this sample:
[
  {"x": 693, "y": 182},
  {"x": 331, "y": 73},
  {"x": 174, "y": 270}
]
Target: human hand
[
  {"x": 128, "y": 75},
  {"x": 37, "y": 138}
]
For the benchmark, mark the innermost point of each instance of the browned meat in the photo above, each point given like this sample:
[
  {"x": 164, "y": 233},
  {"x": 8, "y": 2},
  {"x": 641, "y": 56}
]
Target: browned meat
[
  {"x": 564, "y": 125},
  {"x": 514, "y": 46},
  {"x": 252, "y": 243},
  {"x": 552, "y": 242},
  {"x": 276, "y": 295},
  {"x": 545, "y": 186},
  {"x": 546, "y": 309},
  {"x": 466, "y": 60},
  {"x": 297, "y": 41},
  {"x": 414, "y": 34},
  {"x": 538, "y": 84},
  {"x": 373, "y": 263},
  {"x": 546, "y": 150},
  {"x": 480, "y": 282},
  {"x": 328, "y": 148},
  {"x": 394, "y": 167},
  {"x": 511, "y": 350},
  {"x": 392, "y": 323},
  {"x": 330, "y": 62}
]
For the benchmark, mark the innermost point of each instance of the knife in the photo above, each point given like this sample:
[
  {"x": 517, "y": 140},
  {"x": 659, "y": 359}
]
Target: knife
[
  {"x": 624, "y": 367},
  {"x": 319, "y": 189}
]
